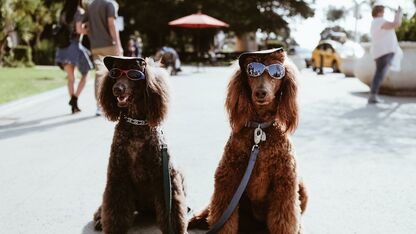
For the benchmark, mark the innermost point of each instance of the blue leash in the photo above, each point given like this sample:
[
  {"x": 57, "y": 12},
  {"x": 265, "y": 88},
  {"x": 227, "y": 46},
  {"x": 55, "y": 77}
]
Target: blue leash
[
  {"x": 237, "y": 195},
  {"x": 259, "y": 136}
]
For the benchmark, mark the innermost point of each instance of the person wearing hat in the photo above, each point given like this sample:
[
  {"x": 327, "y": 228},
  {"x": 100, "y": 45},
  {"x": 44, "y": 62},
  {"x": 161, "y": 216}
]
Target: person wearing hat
[{"x": 384, "y": 46}]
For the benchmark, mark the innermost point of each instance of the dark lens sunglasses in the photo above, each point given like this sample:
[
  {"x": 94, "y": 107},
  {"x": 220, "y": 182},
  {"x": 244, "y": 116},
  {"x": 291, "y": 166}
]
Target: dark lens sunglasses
[
  {"x": 131, "y": 74},
  {"x": 276, "y": 71}
]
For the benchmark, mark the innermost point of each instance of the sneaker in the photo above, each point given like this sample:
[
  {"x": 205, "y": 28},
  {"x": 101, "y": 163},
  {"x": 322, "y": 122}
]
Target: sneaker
[
  {"x": 98, "y": 112},
  {"x": 373, "y": 99}
]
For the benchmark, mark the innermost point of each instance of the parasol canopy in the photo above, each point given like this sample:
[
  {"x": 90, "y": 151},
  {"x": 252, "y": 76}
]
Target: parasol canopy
[{"x": 198, "y": 20}]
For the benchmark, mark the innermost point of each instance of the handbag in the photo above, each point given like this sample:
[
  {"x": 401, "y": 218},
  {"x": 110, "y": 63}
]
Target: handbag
[{"x": 61, "y": 34}]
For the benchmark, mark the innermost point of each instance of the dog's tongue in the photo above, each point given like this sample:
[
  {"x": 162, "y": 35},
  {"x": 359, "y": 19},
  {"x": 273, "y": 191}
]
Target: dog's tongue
[{"x": 122, "y": 99}]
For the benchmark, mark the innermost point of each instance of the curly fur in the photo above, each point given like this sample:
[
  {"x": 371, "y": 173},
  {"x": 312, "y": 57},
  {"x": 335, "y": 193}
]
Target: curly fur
[
  {"x": 134, "y": 174},
  {"x": 275, "y": 197}
]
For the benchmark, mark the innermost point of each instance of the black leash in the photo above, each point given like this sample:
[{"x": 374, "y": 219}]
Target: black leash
[
  {"x": 259, "y": 136},
  {"x": 167, "y": 186}
]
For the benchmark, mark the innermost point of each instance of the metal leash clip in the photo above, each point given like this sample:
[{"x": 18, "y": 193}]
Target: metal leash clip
[{"x": 259, "y": 135}]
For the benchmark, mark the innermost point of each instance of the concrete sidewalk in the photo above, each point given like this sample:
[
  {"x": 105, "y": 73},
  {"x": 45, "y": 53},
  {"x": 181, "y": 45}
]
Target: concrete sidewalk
[{"x": 358, "y": 161}]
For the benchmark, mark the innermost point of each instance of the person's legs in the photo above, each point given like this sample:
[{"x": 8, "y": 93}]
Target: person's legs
[
  {"x": 382, "y": 66},
  {"x": 81, "y": 84},
  {"x": 70, "y": 72},
  {"x": 100, "y": 69}
]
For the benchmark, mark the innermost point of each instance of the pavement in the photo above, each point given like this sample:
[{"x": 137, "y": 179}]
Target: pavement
[{"x": 357, "y": 160}]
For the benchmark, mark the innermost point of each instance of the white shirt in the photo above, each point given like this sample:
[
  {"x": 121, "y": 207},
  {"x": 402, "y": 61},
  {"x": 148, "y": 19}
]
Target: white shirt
[{"x": 384, "y": 41}]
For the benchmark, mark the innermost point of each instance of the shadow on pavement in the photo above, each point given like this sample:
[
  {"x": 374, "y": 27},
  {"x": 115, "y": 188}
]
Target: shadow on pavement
[
  {"x": 26, "y": 130},
  {"x": 17, "y": 124},
  {"x": 388, "y": 99}
]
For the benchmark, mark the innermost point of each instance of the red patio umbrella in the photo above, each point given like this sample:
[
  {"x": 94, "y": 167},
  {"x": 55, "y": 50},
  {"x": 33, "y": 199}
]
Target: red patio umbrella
[{"x": 198, "y": 21}]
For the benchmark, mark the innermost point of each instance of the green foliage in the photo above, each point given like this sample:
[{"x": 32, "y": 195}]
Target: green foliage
[
  {"x": 44, "y": 52},
  {"x": 334, "y": 14},
  {"x": 21, "y": 56},
  {"x": 28, "y": 18},
  {"x": 22, "y": 82},
  {"x": 242, "y": 16},
  {"x": 407, "y": 30}
]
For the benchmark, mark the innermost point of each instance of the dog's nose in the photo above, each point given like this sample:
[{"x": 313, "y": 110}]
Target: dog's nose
[
  {"x": 261, "y": 93},
  {"x": 119, "y": 89}
]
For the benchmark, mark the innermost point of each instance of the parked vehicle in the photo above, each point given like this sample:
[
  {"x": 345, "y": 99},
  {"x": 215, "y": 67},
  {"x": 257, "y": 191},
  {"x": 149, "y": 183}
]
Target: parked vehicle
[{"x": 326, "y": 55}]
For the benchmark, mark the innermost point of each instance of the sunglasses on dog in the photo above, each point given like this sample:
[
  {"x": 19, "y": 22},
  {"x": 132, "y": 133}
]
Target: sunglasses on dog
[
  {"x": 276, "y": 71},
  {"x": 131, "y": 74}
]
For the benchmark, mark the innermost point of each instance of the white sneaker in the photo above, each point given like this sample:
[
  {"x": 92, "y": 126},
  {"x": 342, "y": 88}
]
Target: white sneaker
[
  {"x": 98, "y": 112},
  {"x": 373, "y": 99}
]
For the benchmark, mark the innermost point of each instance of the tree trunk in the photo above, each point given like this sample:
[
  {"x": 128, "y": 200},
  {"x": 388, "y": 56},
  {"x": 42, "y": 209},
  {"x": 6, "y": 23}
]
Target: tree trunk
[
  {"x": 246, "y": 42},
  {"x": 3, "y": 43}
]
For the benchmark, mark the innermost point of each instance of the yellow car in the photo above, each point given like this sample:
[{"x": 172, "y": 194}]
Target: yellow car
[{"x": 326, "y": 52}]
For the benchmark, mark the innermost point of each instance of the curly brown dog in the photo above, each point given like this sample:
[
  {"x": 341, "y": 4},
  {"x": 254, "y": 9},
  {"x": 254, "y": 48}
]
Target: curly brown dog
[
  {"x": 263, "y": 92},
  {"x": 136, "y": 95}
]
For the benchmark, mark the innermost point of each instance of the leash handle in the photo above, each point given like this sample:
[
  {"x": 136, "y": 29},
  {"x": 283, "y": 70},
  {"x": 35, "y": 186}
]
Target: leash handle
[{"x": 237, "y": 195}]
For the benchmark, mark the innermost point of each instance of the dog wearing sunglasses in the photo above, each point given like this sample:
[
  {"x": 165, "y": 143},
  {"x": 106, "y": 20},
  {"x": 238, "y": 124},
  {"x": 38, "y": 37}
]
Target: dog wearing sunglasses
[
  {"x": 263, "y": 90},
  {"x": 136, "y": 95}
]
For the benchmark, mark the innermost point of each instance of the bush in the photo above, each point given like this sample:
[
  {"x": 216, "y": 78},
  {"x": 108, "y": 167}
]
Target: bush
[
  {"x": 407, "y": 31},
  {"x": 44, "y": 53},
  {"x": 20, "y": 56}
]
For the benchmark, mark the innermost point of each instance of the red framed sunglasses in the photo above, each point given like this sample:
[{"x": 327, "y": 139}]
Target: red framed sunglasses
[{"x": 131, "y": 74}]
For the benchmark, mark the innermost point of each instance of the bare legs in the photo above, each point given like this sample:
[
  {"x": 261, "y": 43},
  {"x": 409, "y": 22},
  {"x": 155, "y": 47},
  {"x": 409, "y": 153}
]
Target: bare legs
[{"x": 74, "y": 94}]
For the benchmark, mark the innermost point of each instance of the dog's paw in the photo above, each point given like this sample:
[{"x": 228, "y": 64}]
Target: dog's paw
[
  {"x": 98, "y": 226},
  {"x": 97, "y": 220}
]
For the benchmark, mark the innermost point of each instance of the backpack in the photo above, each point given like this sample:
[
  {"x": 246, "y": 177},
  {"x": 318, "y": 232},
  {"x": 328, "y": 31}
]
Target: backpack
[{"x": 61, "y": 34}]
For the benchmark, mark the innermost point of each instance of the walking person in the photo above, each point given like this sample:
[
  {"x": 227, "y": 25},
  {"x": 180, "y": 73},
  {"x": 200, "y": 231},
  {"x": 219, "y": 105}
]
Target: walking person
[
  {"x": 74, "y": 55},
  {"x": 104, "y": 37},
  {"x": 384, "y": 47}
]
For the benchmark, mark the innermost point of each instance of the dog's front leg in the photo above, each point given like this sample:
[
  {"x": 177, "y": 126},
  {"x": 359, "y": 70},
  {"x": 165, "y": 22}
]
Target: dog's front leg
[
  {"x": 284, "y": 212},
  {"x": 179, "y": 209},
  {"x": 227, "y": 179},
  {"x": 118, "y": 203}
]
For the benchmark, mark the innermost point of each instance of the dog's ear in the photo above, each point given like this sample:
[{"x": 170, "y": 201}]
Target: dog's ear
[
  {"x": 107, "y": 100},
  {"x": 156, "y": 95},
  {"x": 238, "y": 103},
  {"x": 287, "y": 113}
]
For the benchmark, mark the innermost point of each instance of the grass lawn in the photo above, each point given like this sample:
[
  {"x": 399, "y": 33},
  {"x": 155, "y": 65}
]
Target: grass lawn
[{"x": 17, "y": 83}]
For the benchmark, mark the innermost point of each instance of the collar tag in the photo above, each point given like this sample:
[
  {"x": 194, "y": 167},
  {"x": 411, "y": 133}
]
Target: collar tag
[{"x": 259, "y": 135}]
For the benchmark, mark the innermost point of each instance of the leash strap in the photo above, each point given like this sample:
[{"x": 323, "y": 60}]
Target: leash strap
[
  {"x": 237, "y": 195},
  {"x": 167, "y": 186}
]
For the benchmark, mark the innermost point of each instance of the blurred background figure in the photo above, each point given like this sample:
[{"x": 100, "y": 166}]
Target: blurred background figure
[
  {"x": 384, "y": 47},
  {"x": 169, "y": 58},
  {"x": 134, "y": 47},
  {"x": 104, "y": 37},
  {"x": 71, "y": 54},
  {"x": 132, "y": 50}
]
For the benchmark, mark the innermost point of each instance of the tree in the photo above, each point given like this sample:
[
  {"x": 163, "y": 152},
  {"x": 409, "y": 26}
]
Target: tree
[
  {"x": 26, "y": 17},
  {"x": 334, "y": 14},
  {"x": 151, "y": 17}
]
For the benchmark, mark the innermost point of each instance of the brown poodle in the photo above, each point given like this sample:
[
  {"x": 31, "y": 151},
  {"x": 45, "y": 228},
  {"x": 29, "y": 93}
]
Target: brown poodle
[
  {"x": 274, "y": 197},
  {"x": 136, "y": 95}
]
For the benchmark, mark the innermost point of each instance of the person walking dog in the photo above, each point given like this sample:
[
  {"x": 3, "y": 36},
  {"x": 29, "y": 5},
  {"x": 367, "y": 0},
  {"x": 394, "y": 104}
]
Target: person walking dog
[
  {"x": 384, "y": 47},
  {"x": 104, "y": 37}
]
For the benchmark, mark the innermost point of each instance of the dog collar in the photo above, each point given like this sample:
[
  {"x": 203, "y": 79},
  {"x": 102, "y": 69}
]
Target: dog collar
[
  {"x": 137, "y": 122},
  {"x": 252, "y": 124}
]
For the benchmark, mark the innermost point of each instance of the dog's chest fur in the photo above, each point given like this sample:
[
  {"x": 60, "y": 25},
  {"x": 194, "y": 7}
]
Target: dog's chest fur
[
  {"x": 270, "y": 164},
  {"x": 142, "y": 152}
]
